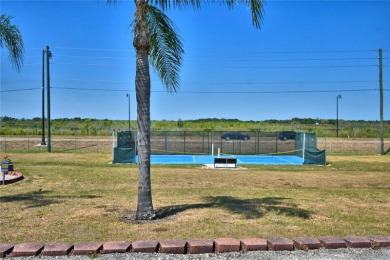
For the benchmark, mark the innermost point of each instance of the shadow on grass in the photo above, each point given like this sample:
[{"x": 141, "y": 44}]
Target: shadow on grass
[
  {"x": 257, "y": 208},
  {"x": 169, "y": 211},
  {"x": 248, "y": 208},
  {"x": 40, "y": 198}
]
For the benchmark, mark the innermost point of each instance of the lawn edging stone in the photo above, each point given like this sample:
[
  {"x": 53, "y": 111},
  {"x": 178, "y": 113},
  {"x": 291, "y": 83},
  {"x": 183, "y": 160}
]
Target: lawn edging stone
[
  {"x": 306, "y": 243},
  {"x": 253, "y": 244},
  {"x": 27, "y": 249},
  {"x": 225, "y": 245},
  {"x": 87, "y": 248},
  {"x": 379, "y": 241},
  {"x": 57, "y": 249},
  {"x": 280, "y": 244},
  {"x": 357, "y": 242},
  {"x": 200, "y": 246},
  {"x": 116, "y": 247},
  {"x": 144, "y": 246},
  {"x": 332, "y": 242},
  {"x": 172, "y": 247},
  {"x": 5, "y": 249}
]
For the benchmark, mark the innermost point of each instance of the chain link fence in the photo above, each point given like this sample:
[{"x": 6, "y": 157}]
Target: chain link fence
[{"x": 198, "y": 142}]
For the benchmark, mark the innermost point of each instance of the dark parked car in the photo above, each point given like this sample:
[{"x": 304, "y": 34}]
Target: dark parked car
[
  {"x": 286, "y": 135},
  {"x": 235, "y": 135}
]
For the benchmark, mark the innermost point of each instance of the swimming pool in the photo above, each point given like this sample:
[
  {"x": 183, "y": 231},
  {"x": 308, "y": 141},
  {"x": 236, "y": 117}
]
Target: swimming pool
[{"x": 241, "y": 159}]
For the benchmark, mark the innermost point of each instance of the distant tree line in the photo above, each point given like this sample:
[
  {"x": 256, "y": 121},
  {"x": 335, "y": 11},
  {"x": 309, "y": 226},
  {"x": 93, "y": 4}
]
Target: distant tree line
[{"x": 104, "y": 127}]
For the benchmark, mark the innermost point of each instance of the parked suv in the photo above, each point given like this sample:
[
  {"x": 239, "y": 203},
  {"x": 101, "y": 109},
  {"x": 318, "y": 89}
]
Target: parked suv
[
  {"x": 287, "y": 135},
  {"x": 235, "y": 135}
]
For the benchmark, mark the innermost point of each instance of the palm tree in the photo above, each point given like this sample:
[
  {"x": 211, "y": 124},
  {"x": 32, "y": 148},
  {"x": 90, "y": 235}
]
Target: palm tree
[
  {"x": 155, "y": 37},
  {"x": 11, "y": 37}
]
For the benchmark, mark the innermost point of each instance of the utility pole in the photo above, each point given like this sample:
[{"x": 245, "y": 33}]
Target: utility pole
[
  {"x": 43, "y": 98},
  {"x": 382, "y": 130},
  {"x": 48, "y": 56}
]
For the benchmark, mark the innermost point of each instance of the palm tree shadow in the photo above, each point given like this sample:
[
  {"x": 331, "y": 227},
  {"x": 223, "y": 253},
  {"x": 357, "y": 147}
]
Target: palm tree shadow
[
  {"x": 258, "y": 207},
  {"x": 169, "y": 211},
  {"x": 35, "y": 199},
  {"x": 248, "y": 208}
]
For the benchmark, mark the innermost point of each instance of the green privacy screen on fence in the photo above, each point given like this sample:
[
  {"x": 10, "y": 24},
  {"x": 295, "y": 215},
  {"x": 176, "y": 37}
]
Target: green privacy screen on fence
[
  {"x": 306, "y": 148},
  {"x": 125, "y": 151}
]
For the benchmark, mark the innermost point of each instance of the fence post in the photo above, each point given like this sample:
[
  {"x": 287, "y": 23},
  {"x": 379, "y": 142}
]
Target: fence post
[
  {"x": 276, "y": 143},
  {"x": 208, "y": 142},
  {"x": 203, "y": 141},
  {"x": 220, "y": 137},
  {"x": 113, "y": 145},
  {"x": 165, "y": 142},
  {"x": 325, "y": 141},
  {"x": 184, "y": 140}
]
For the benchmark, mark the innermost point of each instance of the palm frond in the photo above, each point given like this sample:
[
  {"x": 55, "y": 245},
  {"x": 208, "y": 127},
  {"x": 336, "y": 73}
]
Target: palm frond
[
  {"x": 166, "y": 53},
  {"x": 177, "y": 4},
  {"x": 11, "y": 37},
  {"x": 256, "y": 7},
  {"x": 113, "y": 1}
]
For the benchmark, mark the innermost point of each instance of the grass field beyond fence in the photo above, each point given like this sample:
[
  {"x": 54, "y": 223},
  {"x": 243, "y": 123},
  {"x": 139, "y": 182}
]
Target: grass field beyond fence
[
  {"x": 200, "y": 144},
  {"x": 83, "y": 197}
]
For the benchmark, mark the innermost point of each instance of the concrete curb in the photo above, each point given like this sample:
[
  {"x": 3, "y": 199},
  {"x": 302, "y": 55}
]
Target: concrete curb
[{"x": 194, "y": 246}]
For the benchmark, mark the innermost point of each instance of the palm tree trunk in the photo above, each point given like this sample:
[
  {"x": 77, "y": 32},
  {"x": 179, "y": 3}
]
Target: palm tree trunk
[{"x": 141, "y": 42}]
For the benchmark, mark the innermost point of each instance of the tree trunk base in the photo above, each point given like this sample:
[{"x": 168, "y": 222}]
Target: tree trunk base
[{"x": 145, "y": 216}]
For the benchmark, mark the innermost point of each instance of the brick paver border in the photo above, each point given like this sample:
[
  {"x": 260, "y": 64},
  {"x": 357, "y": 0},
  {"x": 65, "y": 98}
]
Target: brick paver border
[{"x": 194, "y": 246}]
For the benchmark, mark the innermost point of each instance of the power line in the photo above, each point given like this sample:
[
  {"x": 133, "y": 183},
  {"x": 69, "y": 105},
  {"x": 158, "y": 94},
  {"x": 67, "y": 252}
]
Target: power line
[
  {"x": 206, "y": 92},
  {"x": 300, "y": 67},
  {"x": 95, "y": 57},
  {"x": 281, "y": 52},
  {"x": 94, "y": 89},
  {"x": 247, "y": 67},
  {"x": 227, "y": 92},
  {"x": 19, "y": 90},
  {"x": 282, "y": 60},
  {"x": 212, "y": 83},
  {"x": 94, "y": 49},
  {"x": 227, "y": 51},
  {"x": 91, "y": 64},
  {"x": 237, "y": 83},
  {"x": 233, "y": 60},
  {"x": 273, "y": 92}
]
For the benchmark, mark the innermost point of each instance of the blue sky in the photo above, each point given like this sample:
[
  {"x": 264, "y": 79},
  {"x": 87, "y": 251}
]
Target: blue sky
[{"x": 306, "y": 54}]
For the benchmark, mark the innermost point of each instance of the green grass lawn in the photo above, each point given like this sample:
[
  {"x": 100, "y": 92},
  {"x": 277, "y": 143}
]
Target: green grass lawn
[{"x": 83, "y": 197}]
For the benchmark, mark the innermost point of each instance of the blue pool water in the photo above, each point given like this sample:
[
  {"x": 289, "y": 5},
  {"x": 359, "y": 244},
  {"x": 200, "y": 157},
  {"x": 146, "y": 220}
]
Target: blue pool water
[{"x": 241, "y": 159}]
